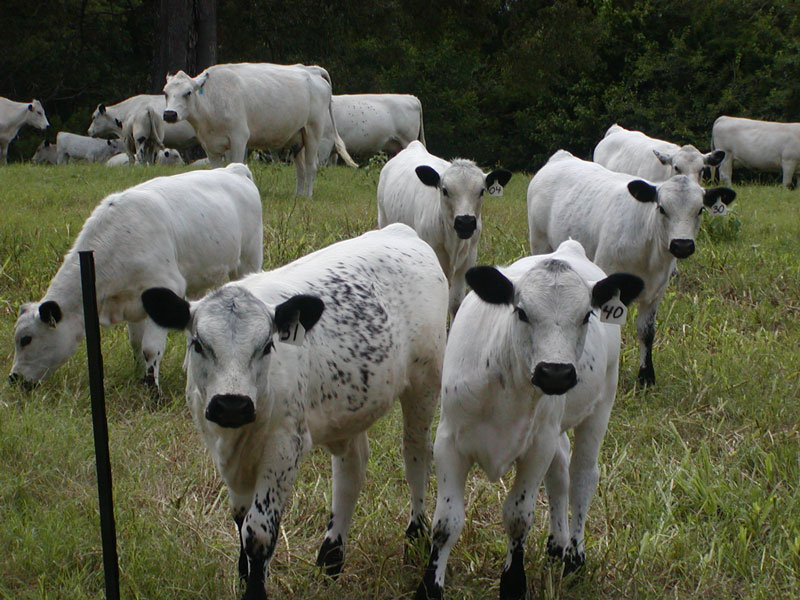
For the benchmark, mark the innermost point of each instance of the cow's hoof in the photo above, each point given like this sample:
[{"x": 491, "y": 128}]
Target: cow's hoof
[
  {"x": 646, "y": 377},
  {"x": 513, "y": 583},
  {"x": 574, "y": 559},
  {"x": 554, "y": 550},
  {"x": 331, "y": 557},
  {"x": 428, "y": 590},
  {"x": 418, "y": 542}
]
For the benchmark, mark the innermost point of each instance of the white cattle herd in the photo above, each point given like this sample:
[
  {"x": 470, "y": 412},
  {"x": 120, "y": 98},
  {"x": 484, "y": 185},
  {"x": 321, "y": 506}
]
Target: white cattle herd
[{"x": 316, "y": 351}]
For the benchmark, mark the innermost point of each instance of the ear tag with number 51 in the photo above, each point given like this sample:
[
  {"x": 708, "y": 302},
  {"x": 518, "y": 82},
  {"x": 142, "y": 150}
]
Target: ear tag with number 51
[
  {"x": 613, "y": 311},
  {"x": 495, "y": 189},
  {"x": 293, "y": 332},
  {"x": 718, "y": 209}
]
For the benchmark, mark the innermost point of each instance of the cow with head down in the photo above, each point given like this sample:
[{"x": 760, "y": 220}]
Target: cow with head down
[
  {"x": 313, "y": 353},
  {"x": 13, "y": 115},
  {"x": 442, "y": 201},
  {"x": 624, "y": 223}
]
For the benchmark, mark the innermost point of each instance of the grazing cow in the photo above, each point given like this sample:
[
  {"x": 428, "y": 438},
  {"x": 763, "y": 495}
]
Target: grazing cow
[
  {"x": 528, "y": 358},
  {"x": 372, "y": 123},
  {"x": 72, "y": 147},
  {"x": 634, "y": 153},
  {"x": 624, "y": 223},
  {"x": 186, "y": 232},
  {"x": 143, "y": 134},
  {"x": 758, "y": 145},
  {"x": 169, "y": 156},
  {"x": 119, "y": 160},
  {"x": 256, "y": 105},
  {"x": 46, "y": 153},
  {"x": 110, "y": 121},
  {"x": 442, "y": 201},
  {"x": 355, "y": 337},
  {"x": 13, "y": 115}
]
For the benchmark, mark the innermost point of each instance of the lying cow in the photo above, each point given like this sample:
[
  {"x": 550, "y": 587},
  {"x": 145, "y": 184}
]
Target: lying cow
[
  {"x": 757, "y": 145},
  {"x": 186, "y": 232},
  {"x": 528, "y": 359},
  {"x": 442, "y": 201},
  {"x": 624, "y": 223},
  {"x": 635, "y": 153},
  {"x": 72, "y": 147},
  {"x": 233, "y": 107},
  {"x": 119, "y": 160},
  {"x": 313, "y": 353},
  {"x": 372, "y": 123},
  {"x": 46, "y": 154},
  {"x": 13, "y": 115},
  {"x": 169, "y": 156}
]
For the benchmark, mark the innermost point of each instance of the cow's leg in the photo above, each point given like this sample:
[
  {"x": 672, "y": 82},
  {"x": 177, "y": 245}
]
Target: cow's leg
[
  {"x": 646, "y": 332},
  {"x": 458, "y": 286},
  {"x": 788, "y": 167},
  {"x": 239, "y": 505},
  {"x": 154, "y": 341},
  {"x": 4, "y": 153},
  {"x": 311, "y": 140},
  {"x": 448, "y": 519},
  {"x": 299, "y": 159},
  {"x": 538, "y": 241},
  {"x": 261, "y": 525},
  {"x": 349, "y": 473},
  {"x": 519, "y": 504},
  {"x": 726, "y": 168},
  {"x": 557, "y": 483},
  {"x": 135, "y": 335}
]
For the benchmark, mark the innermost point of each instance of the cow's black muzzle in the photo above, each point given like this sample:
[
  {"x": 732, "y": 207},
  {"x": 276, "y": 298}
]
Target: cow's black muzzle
[
  {"x": 554, "y": 378},
  {"x": 465, "y": 226},
  {"x": 681, "y": 248},
  {"x": 20, "y": 381},
  {"x": 170, "y": 116},
  {"x": 231, "y": 410}
]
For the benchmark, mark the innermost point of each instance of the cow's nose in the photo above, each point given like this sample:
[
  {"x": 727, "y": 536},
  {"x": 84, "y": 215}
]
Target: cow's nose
[
  {"x": 19, "y": 380},
  {"x": 170, "y": 116},
  {"x": 465, "y": 226},
  {"x": 681, "y": 248},
  {"x": 554, "y": 378},
  {"x": 231, "y": 410},
  {"x": 14, "y": 378}
]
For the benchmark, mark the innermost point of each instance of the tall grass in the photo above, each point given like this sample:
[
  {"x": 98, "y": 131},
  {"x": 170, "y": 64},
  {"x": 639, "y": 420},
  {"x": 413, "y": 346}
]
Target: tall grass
[{"x": 698, "y": 494}]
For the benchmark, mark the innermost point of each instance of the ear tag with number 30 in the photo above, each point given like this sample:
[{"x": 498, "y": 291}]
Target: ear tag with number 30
[
  {"x": 718, "y": 209},
  {"x": 613, "y": 311},
  {"x": 495, "y": 189},
  {"x": 293, "y": 333}
]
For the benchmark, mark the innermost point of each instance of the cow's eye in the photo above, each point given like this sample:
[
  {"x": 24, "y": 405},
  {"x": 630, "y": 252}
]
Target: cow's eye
[
  {"x": 444, "y": 192},
  {"x": 268, "y": 347},
  {"x": 678, "y": 170},
  {"x": 187, "y": 94},
  {"x": 25, "y": 340},
  {"x": 521, "y": 315},
  {"x": 661, "y": 210},
  {"x": 587, "y": 317},
  {"x": 197, "y": 347}
]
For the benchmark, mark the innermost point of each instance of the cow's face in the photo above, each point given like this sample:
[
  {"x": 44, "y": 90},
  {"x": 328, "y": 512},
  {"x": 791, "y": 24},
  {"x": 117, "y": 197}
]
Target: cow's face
[
  {"x": 679, "y": 203},
  {"x": 231, "y": 341},
  {"x": 44, "y": 339},
  {"x": 180, "y": 92},
  {"x": 552, "y": 309},
  {"x": 461, "y": 189},
  {"x": 104, "y": 124},
  {"x": 689, "y": 161},
  {"x": 45, "y": 153},
  {"x": 35, "y": 116}
]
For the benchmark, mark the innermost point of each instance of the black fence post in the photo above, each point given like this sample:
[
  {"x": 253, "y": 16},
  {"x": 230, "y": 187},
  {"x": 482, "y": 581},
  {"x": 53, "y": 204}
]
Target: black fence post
[{"x": 99, "y": 426}]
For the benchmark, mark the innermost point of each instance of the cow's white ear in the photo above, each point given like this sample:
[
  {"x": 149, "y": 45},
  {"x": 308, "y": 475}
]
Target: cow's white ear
[
  {"x": 490, "y": 285},
  {"x": 712, "y": 159},
  {"x": 666, "y": 159},
  {"x": 200, "y": 80},
  {"x": 166, "y": 308},
  {"x": 428, "y": 175},
  {"x": 643, "y": 191}
]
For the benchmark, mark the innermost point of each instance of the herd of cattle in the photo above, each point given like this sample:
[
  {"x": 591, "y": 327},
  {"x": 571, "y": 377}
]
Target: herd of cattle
[{"x": 314, "y": 352}]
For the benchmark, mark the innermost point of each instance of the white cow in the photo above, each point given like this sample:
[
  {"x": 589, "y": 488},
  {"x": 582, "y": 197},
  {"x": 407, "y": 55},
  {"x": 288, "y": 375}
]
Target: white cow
[
  {"x": 442, "y": 201},
  {"x": 119, "y": 160},
  {"x": 372, "y": 123},
  {"x": 260, "y": 405},
  {"x": 256, "y": 105},
  {"x": 110, "y": 121},
  {"x": 624, "y": 223},
  {"x": 635, "y": 153},
  {"x": 758, "y": 145},
  {"x": 46, "y": 153},
  {"x": 72, "y": 147},
  {"x": 143, "y": 134},
  {"x": 169, "y": 156},
  {"x": 528, "y": 359},
  {"x": 186, "y": 232},
  {"x": 13, "y": 115}
]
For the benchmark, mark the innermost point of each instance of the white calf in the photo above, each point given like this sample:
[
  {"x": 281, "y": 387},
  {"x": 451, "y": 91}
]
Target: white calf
[
  {"x": 528, "y": 358},
  {"x": 46, "y": 153},
  {"x": 71, "y": 147},
  {"x": 261, "y": 402},
  {"x": 169, "y": 156}
]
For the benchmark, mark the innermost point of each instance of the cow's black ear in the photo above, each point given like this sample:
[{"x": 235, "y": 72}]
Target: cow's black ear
[
  {"x": 642, "y": 191},
  {"x": 101, "y": 108},
  {"x": 166, "y": 308},
  {"x": 726, "y": 195},
  {"x": 428, "y": 175},
  {"x": 47, "y": 143},
  {"x": 490, "y": 285},
  {"x": 118, "y": 122},
  {"x": 501, "y": 176},
  {"x": 712, "y": 159},
  {"x": 306, "y": 309},
  {"x": 629, "y": 286},
  {"x": 50, "y": 312},
  {"x": 30, "y": 107}
]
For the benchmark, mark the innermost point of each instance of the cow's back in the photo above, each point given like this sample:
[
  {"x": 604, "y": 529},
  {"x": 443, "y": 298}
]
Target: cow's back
[{"x": 631, "y": 152}]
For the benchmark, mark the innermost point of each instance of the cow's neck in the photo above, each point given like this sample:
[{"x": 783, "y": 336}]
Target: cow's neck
[
  {"x": 65, "y": 288},
  {"x": 17, "y": 119}
]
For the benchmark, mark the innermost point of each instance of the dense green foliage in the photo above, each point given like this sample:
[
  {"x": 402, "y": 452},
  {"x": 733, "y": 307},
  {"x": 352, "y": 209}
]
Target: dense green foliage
[{"x": 501, "y": 81}]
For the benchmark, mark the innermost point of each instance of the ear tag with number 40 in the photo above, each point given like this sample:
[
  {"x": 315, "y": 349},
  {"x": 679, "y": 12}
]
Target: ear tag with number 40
[
  {"x": 293, "y": 333},
  {"x": 718, "y": 209},
  {"x": 613, "y": 311},
  {"x": 495, "y": 189}
]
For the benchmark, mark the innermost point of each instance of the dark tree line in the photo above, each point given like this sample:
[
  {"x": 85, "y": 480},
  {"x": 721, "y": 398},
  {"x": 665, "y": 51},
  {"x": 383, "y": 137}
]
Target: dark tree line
[{"x": 500, "y": 81}]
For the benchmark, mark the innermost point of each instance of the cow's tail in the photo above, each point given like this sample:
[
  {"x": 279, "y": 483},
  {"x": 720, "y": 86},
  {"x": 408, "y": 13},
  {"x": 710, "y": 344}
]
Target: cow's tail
[
  {"x": 339, "y": 142},
  {"x": 156, "y": 127},
  {"x": 421, "y": 135}
]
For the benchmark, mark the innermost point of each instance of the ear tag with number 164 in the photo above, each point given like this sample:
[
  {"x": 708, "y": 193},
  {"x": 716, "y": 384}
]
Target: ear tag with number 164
[{"x": 613, "y": 311}]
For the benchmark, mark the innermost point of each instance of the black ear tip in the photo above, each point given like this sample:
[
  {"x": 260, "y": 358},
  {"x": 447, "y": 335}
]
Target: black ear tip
[
  {"x": 629, "y": 286},
  {"x": 490, "y": 285},
  {"x": 502, "y": 176},
  {"x": 165, "y": 307},
  {"x": 427, "y": 175},
  {"x": 50, "y": 312}
]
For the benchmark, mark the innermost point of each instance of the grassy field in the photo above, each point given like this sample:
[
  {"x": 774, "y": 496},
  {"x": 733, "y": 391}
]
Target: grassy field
[{"x": 698, "y": 493}]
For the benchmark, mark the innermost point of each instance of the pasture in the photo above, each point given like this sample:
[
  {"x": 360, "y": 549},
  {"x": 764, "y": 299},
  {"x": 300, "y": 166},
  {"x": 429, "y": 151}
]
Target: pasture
[{"x": 698, "y": 493}]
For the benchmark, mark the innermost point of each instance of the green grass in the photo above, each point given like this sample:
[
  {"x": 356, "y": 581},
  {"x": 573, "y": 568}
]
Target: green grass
[{"x": 698, "y": 492}]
